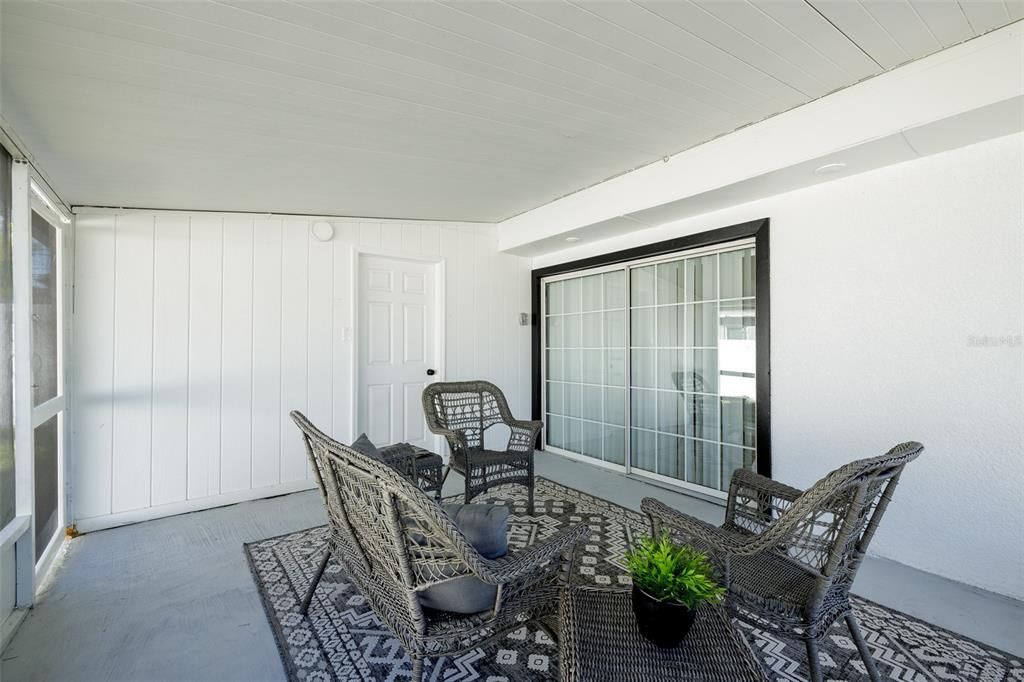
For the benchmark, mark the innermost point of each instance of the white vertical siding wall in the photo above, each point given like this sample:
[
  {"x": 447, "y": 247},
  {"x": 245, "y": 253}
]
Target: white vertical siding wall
[{"x": 196, "y": 333}]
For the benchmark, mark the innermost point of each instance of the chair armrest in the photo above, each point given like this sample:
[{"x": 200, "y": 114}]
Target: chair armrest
[
  {"x": 714, "y": 538},
  {"x": 523, "y": 436},
  {"x": 745, "y": 478},
  {"x": 526, "y": 424},
  {"x": 515, "y": 566},
  {"x": 456, "y": 439},
  {"x": 774, "y": 535},
  {"x": 756, "y": 502}
]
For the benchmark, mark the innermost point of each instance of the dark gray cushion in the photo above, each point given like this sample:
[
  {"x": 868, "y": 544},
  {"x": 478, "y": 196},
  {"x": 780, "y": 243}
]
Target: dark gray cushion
[
  {"x": 465, "y": 594},
  {"x": 365, "y": 446},
  {"x": 486, "y": 528},
  {"x": 484, "y": 525}
]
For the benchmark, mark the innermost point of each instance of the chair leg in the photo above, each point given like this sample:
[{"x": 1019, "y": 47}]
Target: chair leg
[
  {"x": 417, "y": 670},
  {"x": 467, "y": 479},
  {"x": 813, "y": 662},
  {"x": 440, "y": 488},
  {"x": 316, "y": 581},
  {"x": 862, "y": 647},
  {"x": 529, "y": 494}
]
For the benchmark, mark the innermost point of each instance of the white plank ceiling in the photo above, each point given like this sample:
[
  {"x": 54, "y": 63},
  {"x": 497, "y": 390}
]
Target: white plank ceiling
[{"x": 459, "y": 110}]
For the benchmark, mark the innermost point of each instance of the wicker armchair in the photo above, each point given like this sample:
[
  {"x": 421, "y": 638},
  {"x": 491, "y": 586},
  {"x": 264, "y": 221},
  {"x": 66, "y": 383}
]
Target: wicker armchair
[
  {"x": 789, "y": 557},
  {"x": 393, "y": 541},
  {"x": 461, "y": 412}
]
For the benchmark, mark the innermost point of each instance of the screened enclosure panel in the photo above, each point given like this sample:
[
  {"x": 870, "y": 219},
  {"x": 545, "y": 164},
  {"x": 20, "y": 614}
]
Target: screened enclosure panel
[
  {"x": 45, "y": 314},
  {"x": 47, "y": 453}
]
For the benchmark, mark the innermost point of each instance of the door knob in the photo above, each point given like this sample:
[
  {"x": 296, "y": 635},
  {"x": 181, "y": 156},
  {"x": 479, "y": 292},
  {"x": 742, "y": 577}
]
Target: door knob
[{"x": 431, "y": 372}]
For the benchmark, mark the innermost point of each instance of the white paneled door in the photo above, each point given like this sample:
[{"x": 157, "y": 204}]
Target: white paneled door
[{"x": 397, "y": 348}]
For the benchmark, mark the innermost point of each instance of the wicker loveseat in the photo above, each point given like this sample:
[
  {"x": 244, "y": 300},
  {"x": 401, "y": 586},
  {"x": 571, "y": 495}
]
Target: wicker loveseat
[
  {"x": 394, "y": 541},
  {"x": 423, "y": 468}
]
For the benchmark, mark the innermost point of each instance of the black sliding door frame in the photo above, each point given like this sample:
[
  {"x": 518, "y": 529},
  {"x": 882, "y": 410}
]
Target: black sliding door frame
[{"x": 758, "y": 230}]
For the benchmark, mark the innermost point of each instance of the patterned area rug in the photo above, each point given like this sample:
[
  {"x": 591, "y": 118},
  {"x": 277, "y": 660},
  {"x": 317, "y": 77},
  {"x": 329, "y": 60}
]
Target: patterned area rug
[{"x": 341, "y": 639}]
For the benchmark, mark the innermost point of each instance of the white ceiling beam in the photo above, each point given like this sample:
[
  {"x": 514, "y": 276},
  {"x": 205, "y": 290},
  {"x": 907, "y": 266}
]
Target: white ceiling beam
[{"x": 975, "y": 76}]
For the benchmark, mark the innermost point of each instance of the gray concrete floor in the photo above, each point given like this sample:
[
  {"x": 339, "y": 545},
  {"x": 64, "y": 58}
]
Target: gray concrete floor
[{"x": 173, "y": 598}]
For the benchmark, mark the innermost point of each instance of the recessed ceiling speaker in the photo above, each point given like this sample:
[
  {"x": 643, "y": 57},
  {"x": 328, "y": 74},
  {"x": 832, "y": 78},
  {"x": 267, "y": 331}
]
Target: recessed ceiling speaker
[{"x": 322, "y": 230}]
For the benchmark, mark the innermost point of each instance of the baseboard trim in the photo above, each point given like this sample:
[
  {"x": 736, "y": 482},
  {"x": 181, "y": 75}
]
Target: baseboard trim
[
  {"x": 94, "y": 523},
  {"x": 10, "y": 626}
]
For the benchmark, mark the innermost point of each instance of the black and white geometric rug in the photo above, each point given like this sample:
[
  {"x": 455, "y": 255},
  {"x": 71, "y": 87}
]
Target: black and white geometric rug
[{"x": 341, "y": 639}]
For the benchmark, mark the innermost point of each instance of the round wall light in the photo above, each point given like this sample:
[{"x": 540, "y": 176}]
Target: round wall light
[{"x": 322, "y": 230}]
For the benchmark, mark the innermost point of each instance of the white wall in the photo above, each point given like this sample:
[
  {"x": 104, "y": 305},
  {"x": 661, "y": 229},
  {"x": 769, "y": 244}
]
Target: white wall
[
  {"x": 879, "y": 282},
  {"x": 196, "y": 333}
]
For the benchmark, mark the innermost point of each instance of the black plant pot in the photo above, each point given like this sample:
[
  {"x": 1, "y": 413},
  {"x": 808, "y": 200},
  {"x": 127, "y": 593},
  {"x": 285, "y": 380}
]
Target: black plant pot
[{"x": 663, "y": 623}]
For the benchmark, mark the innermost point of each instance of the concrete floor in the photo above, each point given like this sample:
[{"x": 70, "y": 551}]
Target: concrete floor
[{"x": 174, "y": 599}]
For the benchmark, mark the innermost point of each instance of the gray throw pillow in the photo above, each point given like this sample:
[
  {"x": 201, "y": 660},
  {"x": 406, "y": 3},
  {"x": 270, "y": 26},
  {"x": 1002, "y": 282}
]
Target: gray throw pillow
[
  {"x": 486, "y": 528},
  {"x": 484, "y": 525},
  {"x": 365, "y": 446}
]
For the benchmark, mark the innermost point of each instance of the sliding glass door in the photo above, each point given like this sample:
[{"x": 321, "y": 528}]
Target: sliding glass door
[
  {"x": 650, "y": 366},
  {"x": 586, "y": 366}
]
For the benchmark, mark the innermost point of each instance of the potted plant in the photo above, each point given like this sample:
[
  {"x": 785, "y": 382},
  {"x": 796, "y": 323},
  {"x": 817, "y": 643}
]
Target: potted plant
[{"x": 669, "y": 582}]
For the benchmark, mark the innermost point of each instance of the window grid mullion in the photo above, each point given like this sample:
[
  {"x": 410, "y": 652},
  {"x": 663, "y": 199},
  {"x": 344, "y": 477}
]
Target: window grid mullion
[{"x": 689, "y": 471}]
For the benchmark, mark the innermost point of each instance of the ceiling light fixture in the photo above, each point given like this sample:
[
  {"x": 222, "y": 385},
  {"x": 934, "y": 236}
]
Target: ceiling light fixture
[
  {"x": 830, "y": 168},
  {"x": 572, "y": 239},
  {"x": 46, "y": 201}
]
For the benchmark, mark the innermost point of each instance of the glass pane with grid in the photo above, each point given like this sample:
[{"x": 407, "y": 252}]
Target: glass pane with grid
[
  {"x": 585, "y": 372},
  {"x": 692, "y": 367}
]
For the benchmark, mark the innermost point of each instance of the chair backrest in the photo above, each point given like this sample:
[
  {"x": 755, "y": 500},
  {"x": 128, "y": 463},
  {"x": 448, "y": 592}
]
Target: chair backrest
[
  {"x": 469, "y": 407},
  {"x": 837, "y": 517},
  {"x": 390, "y": 536}
]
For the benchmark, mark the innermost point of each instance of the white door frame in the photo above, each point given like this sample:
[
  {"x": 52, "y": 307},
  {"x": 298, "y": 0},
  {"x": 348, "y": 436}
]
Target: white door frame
[
  {"x": 21, "y": 531},
  {"x": 439, "y": 264},
  {"x": 58, "y": 405}
]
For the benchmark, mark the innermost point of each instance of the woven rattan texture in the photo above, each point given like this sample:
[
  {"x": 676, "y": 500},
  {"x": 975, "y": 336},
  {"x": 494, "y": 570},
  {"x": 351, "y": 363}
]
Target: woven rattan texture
[
  {"x": 462, "y": 412},
  {"x": 342, "y": 639},
  {"x": 789, "y": 557},
  {"x": 600, "y": 642},
  {"x": 394, "y": 540}
]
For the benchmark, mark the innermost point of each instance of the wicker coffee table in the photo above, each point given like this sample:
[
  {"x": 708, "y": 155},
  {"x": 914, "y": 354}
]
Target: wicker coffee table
[{"x": 599, "y": 642}]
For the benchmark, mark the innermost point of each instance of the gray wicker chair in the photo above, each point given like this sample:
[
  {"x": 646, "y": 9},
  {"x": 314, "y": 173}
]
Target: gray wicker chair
[
  {"x": 461, "y": 412},
  {"x": 789, "y": 557},
  {"x": 393, "y": 541}
]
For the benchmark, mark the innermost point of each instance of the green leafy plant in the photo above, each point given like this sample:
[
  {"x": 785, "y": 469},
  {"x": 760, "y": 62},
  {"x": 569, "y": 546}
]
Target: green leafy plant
[{"x": 675, "y": 573}]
